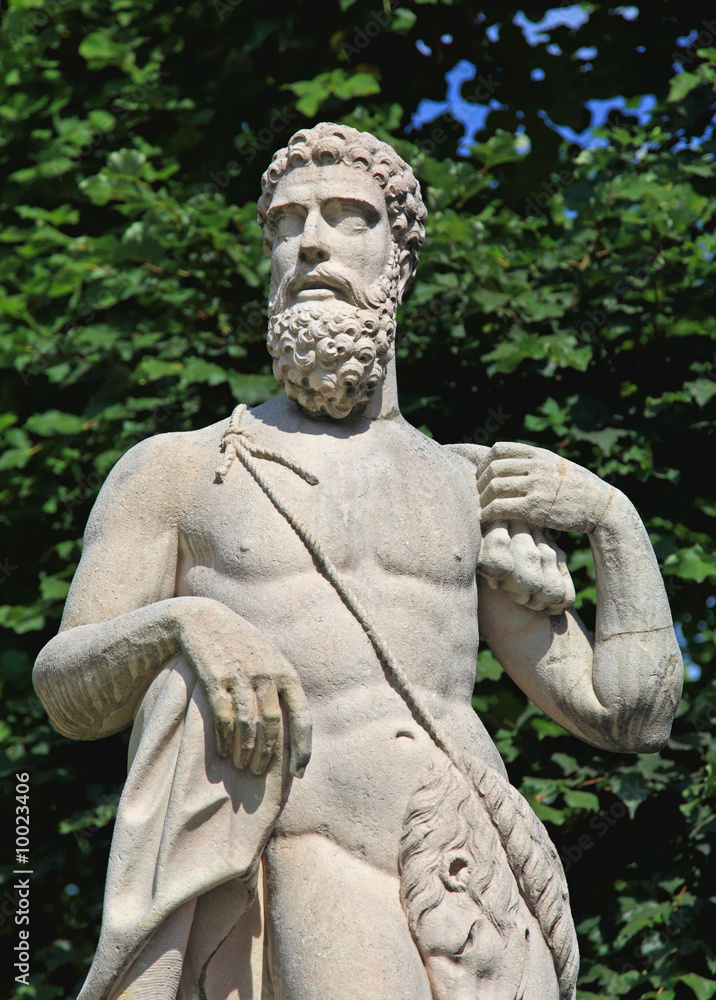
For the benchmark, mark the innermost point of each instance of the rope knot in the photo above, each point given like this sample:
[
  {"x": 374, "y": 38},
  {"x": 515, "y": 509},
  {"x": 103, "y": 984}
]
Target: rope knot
[{"x": 237, "y": 441}]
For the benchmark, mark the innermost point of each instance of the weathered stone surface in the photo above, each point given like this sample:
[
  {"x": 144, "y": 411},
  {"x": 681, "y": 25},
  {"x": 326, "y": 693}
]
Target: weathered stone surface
[{"x": 286, "y": 606}]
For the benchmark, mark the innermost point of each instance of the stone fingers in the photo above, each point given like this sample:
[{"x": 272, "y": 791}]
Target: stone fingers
[
  {"x": 517, "y": 482},
  {"x": 554, "y": 589},
  {"x": 247, "y": 715},
  {"x": 258, "y": 725},
  {"x": 500, "y": 489},
  {"x": 503, "y": 469},
  {"x": 527, "y": 576},
  {"x": 505, "y": 450},
  {"x": 223, "y": 715},
  {"x": 246, "y": 721},
  {"x": 495, "y": 559},
  {"x": 569, "y": 591},
  {"x": 527, "y": 565},
  {"x": 268, "y": 726},
  {"x": 510, "y": 559},
  {"x": 300, "y": 724}
]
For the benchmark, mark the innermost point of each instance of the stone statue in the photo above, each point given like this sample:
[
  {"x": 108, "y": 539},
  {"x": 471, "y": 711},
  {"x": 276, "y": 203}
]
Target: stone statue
[{"x": 293, "y": 594}]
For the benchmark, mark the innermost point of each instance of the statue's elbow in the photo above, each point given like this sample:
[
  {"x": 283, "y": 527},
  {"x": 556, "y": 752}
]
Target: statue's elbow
[
  {"x": 42, "y": 683},
  {"x": 66, "y": 729},
  {"x": 74, "y": 728},
  {"x": 642, "y": 720},
  {"x": 64, "y": 714},
  {"x": 644, "y": 730},
  {"x": 648, "y": 740},
  {"x": 59, "y": 720}
]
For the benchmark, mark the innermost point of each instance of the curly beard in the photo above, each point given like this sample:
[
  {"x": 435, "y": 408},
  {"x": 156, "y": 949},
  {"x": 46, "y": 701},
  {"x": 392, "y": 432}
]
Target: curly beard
[{"x": 330, "y": 355}]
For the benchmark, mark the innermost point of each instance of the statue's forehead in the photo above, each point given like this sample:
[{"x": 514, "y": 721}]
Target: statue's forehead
[{"x": 312, "y": 183}]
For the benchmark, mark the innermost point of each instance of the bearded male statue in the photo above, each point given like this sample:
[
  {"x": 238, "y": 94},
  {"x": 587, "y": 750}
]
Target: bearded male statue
[{"x": 285, "y": 606}]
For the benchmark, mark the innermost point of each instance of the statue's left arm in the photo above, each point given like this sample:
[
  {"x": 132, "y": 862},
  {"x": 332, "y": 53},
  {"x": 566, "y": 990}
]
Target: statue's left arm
[{"x": 620, "y": 690}]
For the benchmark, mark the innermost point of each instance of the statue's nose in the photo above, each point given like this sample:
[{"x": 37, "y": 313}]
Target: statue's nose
[{"x": 313, "y": 250}]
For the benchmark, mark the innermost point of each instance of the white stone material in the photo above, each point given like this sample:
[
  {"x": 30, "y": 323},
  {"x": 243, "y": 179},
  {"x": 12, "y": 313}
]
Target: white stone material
[{"x": 285, "y": 605}]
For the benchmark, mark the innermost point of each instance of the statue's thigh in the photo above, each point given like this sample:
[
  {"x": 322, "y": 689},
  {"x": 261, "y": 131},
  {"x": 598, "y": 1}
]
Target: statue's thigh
[{"x": 336, "y": 927}]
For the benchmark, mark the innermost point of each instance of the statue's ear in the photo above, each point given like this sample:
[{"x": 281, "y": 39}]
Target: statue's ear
[
  {"x": 455, "y": 871},
  {"x": 404, "y": 275}
]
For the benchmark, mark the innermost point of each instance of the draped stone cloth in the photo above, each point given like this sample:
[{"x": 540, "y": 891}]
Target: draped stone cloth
[{"x": 190, "y": 826}]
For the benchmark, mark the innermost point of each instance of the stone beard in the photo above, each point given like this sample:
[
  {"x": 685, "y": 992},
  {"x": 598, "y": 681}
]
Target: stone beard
[{"x": 330, "y": 354}]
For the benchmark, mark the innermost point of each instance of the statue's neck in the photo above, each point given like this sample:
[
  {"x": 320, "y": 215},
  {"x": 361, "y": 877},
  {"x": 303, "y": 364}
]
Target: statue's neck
[{"x": 384, "y": 403}]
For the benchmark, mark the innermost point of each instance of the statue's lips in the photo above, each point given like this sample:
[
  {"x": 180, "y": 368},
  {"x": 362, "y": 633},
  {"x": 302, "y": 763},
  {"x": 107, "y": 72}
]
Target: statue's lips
[
  {"x": 316, "y": 293},
  {"x": 317, "y": 286}
]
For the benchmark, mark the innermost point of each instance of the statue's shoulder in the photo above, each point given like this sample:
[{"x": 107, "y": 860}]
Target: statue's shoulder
[
  {"x": 169, "y": 461},
  {"x": 157, "y": 481},
  {"x": 465, "y": 457}
]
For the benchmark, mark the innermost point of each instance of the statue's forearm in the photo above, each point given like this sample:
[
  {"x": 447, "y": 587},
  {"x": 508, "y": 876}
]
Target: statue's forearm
[
  {"x": 631, "y": 595},
  {"x": 637, "y": 673},
  {"x": 91, "y": 678}
]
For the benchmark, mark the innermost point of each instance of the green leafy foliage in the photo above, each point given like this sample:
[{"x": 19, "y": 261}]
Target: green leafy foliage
[
  {"x": 564, "y": 297},
  {"x": 313, "y": 93}
]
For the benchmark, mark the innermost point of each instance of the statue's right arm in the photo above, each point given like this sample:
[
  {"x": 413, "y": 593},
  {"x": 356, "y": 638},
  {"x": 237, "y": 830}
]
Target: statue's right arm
[{"x": 122, "y": 624}]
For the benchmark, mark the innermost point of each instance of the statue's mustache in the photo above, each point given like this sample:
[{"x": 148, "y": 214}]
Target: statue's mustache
[{"x": 334, "y": 276}]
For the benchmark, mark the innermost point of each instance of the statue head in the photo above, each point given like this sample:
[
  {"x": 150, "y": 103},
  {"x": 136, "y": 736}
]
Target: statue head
[
  {"x": 458, "y": 894},
  {"x": 343, "y": 221},
  {"x": 462, "y": 901}
]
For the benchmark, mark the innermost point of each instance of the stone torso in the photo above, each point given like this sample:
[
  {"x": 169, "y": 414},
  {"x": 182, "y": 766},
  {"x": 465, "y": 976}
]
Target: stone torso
[{"x": 398, "y": 516}]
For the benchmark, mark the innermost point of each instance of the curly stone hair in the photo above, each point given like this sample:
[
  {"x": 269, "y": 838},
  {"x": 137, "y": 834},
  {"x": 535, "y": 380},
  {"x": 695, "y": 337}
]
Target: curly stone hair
[
  {"x": 446, "y": 820},
  {"x": 444, "y": 816},
  {"x": 326, "y": 144}
]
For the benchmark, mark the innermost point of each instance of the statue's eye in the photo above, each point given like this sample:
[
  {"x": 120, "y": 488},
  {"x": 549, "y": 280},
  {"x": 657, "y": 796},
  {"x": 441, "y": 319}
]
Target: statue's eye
[
  {"x": 456, "y": 874},
  {"x": 469, "y": 942},
  {"x": 287, "y": 223},
  {"x": 346, "y": 216}
]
